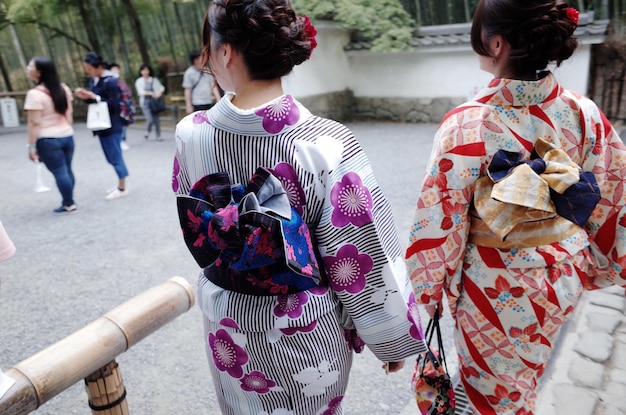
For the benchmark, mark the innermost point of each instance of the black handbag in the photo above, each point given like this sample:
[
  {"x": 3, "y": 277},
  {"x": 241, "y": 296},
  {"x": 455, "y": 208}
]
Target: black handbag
[
  {"x": 157, "y": 105},
  {"x": 431, "y": 384}
]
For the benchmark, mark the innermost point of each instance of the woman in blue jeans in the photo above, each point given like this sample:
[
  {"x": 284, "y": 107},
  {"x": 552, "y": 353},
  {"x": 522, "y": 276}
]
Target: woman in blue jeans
[
  {"x": 103, "y": 87},
  {"x": 50, "y": 133}
]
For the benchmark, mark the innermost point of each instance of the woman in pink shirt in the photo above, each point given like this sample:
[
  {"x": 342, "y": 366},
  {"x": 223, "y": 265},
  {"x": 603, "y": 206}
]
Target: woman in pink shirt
[{"x": 50, "y": 133}]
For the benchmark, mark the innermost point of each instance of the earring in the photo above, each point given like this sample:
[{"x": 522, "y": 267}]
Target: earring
[{"x": 493, "y": 61}]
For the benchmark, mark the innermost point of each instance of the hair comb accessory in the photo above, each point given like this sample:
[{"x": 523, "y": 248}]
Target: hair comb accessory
[
  {"x": 310, "y": 32},
  {"x": 572, "y": 14}
]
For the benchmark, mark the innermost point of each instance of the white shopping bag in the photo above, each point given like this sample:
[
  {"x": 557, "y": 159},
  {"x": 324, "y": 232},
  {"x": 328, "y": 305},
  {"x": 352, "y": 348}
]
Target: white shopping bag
[
  {"x": 98, "y": 117},
  {"x": 39, "y": 186}
]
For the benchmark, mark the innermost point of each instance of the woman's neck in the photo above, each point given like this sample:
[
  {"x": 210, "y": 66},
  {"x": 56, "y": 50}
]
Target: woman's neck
[{"x": 256, "y": 93}]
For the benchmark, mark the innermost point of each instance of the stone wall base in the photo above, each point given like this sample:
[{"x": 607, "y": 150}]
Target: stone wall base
[{"x": 344, "y": 107}]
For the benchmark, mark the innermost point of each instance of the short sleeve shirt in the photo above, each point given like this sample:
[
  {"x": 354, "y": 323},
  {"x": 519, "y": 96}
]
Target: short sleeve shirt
[
  {"x": 53, "y": 124},
  {"x": 201, "y": 94}
]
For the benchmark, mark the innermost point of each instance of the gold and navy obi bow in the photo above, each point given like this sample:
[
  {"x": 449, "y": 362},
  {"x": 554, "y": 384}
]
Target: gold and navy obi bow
[
  {"x": 549, "y": 185},
  {"x": 248, "y": 240}
]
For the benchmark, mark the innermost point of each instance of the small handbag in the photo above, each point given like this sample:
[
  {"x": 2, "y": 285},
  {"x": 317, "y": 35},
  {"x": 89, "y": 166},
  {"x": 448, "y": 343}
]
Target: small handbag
[
  {"x": 98, "y": 117},
  {"x": 434, "y": 392},
  {"x": 157, "y": 105}
]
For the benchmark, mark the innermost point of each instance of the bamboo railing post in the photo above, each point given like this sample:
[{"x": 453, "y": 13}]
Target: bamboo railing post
[
  {"x": 74, "y": 358},
  {"x": 106, "y": 391}
]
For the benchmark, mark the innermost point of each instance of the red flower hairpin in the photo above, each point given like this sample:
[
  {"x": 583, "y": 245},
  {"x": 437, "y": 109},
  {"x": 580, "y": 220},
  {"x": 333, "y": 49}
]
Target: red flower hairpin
[
  {"x": 572, "y": 14},
  {"x": 310, "y": 32}
]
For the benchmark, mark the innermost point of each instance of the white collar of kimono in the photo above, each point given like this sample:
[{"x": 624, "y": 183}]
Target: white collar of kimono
[{"x": 274, "y": 117}]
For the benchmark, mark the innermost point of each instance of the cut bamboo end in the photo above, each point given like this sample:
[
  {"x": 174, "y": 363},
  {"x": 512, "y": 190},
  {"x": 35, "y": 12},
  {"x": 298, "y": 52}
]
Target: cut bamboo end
[{"x": 106, "y": 391}]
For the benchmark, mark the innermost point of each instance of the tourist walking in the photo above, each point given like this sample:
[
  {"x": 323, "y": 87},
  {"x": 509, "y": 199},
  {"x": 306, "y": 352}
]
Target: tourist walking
[
  {"x": 104, "y": 88},
  {"x": 148, "y": 88},
  {"x": 306, "y": 268},
  {"x": 521, "y": 207},
  {"x": 49, "y": 113},
  {"x": 200, "y": 88}
]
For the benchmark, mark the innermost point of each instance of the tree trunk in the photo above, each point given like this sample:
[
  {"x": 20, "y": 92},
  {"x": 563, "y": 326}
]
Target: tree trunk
[
  {"x": 170, "y": 40},
  {"x": 120, "y": 31},
  {"x": 136, "y": 25},
  {"x": 19, "y": 50},
  {"x": 89, "y": 25},
  {"x": 181, "y": 25},
  {"x": 5, "y": 74}
]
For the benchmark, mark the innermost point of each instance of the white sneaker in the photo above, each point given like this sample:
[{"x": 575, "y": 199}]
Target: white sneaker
[
  {"x": 116, "y": 194},
  {"x": 124, "y": 146}
]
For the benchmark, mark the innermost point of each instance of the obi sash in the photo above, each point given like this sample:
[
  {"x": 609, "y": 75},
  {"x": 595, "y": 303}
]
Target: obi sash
[
  {"x": 249, "y": 240},
  {"x": 527, "y": 203}
]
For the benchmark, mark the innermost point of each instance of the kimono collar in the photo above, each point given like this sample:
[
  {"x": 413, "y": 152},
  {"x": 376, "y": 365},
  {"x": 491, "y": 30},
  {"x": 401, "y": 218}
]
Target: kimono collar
[
  {"x": 517, "y": 93},
  {"x": 274, "y": 117}
]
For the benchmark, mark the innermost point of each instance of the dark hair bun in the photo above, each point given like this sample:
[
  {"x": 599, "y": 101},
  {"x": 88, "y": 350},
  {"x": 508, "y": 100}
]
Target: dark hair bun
[
  {"x": 546, "y": 38},
  {"x": 271, "y": 38},
  {"x": 538, "y": 31}
]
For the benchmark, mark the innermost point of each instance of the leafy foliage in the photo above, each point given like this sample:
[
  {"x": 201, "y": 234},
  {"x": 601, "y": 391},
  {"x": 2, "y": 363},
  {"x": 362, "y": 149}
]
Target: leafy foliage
[{"x": 383, "y": 22}]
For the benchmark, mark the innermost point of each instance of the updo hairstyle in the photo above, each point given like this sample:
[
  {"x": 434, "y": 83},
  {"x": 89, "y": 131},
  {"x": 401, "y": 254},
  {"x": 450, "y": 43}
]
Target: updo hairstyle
[
  {"x": 538, "y": 31},
  {"x": 268, "y": 34}
]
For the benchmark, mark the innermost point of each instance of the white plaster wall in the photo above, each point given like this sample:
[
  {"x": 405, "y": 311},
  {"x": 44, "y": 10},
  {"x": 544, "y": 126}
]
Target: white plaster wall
[
  {"x": 431, "y": 74},
  {"x": 427, "y": 73},
  {"x": 328, "y": 69}
]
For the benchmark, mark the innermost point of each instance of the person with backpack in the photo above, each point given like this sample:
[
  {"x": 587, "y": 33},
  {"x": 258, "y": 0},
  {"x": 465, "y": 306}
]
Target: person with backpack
[
  {"x": 149, "y": 87},
  {"x": 104, "y": 88},
  {"x": 127, "y": 107}
]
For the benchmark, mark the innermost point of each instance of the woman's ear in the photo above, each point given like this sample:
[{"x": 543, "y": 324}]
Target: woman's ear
[
  {"x": 497, "y": 45},
  {"x": 228, "y": 54}
]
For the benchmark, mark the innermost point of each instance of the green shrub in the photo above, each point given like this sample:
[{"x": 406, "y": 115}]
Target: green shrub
[{"x": 384, "y": 23}]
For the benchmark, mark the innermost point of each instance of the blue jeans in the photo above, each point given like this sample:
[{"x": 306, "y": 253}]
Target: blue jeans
[
  {"x": 151, "y": 119},
  {"x": 113, "y": 153},
  {"x": 56, "y": 154}
]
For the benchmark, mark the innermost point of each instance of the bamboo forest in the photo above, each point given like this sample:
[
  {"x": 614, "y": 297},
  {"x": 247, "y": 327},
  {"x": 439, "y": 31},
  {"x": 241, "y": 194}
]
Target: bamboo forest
[{"x": 163, "y": 32}]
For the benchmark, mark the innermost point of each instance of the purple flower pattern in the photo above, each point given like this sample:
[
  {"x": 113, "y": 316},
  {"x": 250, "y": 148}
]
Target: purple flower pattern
[
  {"x": 256, "y": 381},
  {"x": 352, "y": 202},
  {"x": 227, "y": 355},
  {"x": 354, "y": 340},
  {"x": 333, "y": 406},
  {"x": 289, "y": 179},
  {"x": 283, "y": 111},
  {"x": 290, "y": 331},
  {"x": 175, "y": 171},
  {"x": 347, "y": 270},
  {"x": 291, "y": 304},
  {"x": 229, "y": 322},
  {"x": 201, "y": 117},
  {"x": 416, "y": 331}
]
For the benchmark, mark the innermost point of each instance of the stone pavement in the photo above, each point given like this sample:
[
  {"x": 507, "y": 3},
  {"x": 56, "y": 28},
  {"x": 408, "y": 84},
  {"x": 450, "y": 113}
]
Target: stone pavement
[
  {"x": 588, "y": 377},
  {"x": 69, "y": 271}
]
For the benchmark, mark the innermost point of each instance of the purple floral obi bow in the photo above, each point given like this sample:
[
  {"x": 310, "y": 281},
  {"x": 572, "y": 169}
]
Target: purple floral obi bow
[
  {"x": 518, "y": 191},
  {"x": 248, "y": 240}
]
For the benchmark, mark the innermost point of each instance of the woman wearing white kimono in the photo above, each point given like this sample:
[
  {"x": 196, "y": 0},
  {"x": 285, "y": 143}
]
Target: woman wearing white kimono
[
  {"x": 521, "y": 180},
  {"x": 280, "y": 341}
]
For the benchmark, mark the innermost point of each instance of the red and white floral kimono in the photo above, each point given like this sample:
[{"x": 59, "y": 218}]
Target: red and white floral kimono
[{"x": 513, "y": 279}]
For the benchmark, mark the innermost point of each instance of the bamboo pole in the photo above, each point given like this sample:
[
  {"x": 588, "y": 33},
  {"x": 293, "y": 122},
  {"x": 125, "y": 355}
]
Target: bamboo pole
[
  {"x": 106, "y": 391},
  {"x": 54, "y": 369}
]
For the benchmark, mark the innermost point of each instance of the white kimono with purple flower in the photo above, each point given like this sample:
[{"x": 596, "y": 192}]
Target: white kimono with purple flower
[{"x": 291, "y": 354}]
